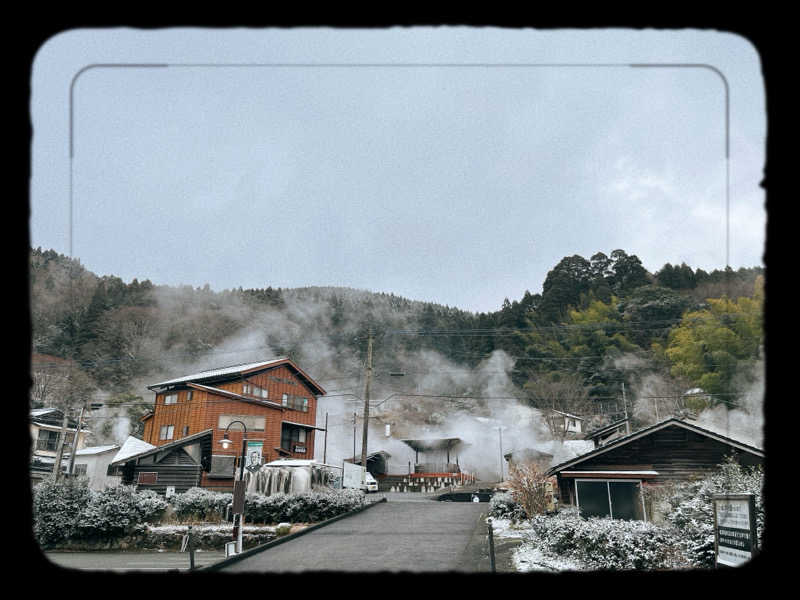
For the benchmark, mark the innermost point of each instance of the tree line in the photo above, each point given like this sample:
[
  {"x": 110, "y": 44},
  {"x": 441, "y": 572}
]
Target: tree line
[{"x": 598, "y": 325}]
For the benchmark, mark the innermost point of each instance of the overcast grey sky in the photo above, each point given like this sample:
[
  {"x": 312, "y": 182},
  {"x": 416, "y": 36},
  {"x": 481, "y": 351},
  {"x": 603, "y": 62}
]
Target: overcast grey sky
[{"x": 455, "y": 165}]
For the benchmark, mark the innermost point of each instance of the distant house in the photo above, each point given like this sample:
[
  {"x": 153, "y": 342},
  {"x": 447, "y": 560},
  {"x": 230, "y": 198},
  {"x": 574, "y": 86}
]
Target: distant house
[
  {"x": 565, "y": 424},
  {"x": 543, "y": 460},
  {"x": 275, "y": 400},
  {"x": 609, "y": 480},
  {"x": 45, "y": 428},
  {"x": 602, "y": 435},
  {"x": 93, "y": 463}
]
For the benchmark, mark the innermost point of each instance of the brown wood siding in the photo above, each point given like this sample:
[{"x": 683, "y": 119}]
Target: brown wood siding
[
  {"x": 182, "y": 477},
  {"x": 675, "y": 453},
  {"x": 205, "y": 408}
]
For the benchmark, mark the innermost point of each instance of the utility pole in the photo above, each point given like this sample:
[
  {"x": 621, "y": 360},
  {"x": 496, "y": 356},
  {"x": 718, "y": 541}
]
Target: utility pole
[
  {"x": 500, "y": 431},
  {"x": 60, "y": 448},
  {"x": 325, "y": 445},
  {"x": 71, "y": 468},
  {"x": 625, "y": 406},
  {"x": 367, "y": 383}
]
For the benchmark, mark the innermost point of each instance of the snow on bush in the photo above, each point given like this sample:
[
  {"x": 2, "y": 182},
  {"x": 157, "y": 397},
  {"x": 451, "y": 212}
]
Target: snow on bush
[
  {"x": 117, "y": 511},
  {"x": 198, "y": 504},
  {"x": 503, "y": 506},
  {"x": 607, "y": 544},
  {"x": 69, "y": 510},
  {"x": 690, "y": 507},
  {"x": 307, "y": 507},
  {"x": 57, "y": 507}
]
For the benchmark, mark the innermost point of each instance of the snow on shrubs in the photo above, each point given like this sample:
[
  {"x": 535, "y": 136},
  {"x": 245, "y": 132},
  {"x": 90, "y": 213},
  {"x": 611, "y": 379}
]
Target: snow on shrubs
[
  {"x": 607, "y": 544},
  {"x": 307, "y": 507},
  {"x": 56, "y": 510},
  {"x": 690, "y": 507},
  {"x": 503, "y": 506},
  {"x": 69, "y": 510},
  {"x": 198, "y": 504}
]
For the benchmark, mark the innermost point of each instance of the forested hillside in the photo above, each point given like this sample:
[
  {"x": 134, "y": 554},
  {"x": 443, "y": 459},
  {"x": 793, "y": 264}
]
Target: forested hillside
[{"x": 602, "y": 331}]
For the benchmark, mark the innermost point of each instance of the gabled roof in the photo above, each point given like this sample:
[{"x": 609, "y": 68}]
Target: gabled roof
[
  {"x": 233, "y": 395},
  {"x": 131, "y": 447},
  {"x": 96, "y": 450},
  {"x": 239, "y": 371},
  {"x": 155, "y": 449},
  {"x": 650, "y": 430}
]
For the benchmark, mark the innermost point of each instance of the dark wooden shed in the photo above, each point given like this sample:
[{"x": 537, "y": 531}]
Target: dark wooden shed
[
  {"x": 177, "y": 465},
  {"x": 609, "y": 480}
]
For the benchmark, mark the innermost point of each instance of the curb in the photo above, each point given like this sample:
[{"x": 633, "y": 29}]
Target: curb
[{"x": 252, "y": 551}]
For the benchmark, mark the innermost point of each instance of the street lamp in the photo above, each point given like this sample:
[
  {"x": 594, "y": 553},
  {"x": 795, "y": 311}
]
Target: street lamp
[
  {"x": 238, "y": 486},
  {"x": 227, "y": 442}
]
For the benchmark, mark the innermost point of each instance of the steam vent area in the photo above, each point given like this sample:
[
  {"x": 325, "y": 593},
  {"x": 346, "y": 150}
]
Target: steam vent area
[{"x": 435, "y": 468}]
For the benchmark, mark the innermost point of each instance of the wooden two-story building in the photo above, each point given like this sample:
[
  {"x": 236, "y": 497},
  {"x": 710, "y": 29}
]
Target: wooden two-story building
[{"x": 275, "y": 400}]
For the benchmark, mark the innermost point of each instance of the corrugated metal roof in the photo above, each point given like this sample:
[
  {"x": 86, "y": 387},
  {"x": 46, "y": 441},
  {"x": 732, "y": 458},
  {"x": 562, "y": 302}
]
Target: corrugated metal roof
[
  {"x": 221, "y": 372},
  {"x": 96, "y": 450}
]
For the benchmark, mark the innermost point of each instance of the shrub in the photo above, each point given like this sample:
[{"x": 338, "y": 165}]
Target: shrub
[
  {"x": 503, "y": 506},
  {"x": 117, "y": 511},
  {"x": 690, "y": 507},
  {"x": 200, "y": 505},
  {"x": 308, "y": 507},
  {"x": 609, "y": 544},
  {"x": 57, "y": 508}
]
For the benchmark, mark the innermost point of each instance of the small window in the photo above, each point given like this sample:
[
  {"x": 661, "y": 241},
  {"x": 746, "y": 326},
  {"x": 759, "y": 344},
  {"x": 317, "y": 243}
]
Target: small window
[
  {"x": 285, "y": 400},
  {"x": 171, "y": 399},
  {"x": 189, "y": 396},
  {"x": 185, "y": 431},
  {"x": 167, "y": 432},
  {"x": 80, "y": 470},
  {"x": 147, "y": 478}
]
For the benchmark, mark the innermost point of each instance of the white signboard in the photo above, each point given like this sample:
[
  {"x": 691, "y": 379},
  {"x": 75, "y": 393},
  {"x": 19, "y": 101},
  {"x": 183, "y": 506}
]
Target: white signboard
[
  {"x": 735, "y": 529},
  {"x": 253, "y": 458},
  {"x": 352, "y": 475}
]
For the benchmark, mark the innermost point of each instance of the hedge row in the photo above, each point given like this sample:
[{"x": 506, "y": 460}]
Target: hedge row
[
  {"x": 67, "y": 510},
  {"x": 609, "y": 544}
]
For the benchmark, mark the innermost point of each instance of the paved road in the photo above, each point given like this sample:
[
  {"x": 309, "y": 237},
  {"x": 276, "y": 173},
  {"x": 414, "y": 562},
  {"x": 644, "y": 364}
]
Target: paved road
[
  {"x": 408, "y": 533},
  {"x": 133, "y": 561}
]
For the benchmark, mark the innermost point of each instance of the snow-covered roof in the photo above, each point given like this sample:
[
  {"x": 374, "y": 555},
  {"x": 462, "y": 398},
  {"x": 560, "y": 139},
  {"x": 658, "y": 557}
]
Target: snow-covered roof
[
  {"x": 132, "y": 447},
  {"x": 221, "y": 372},
  {"x": 297, "y": 462},
  {"x": 96, "y": 450},
  {"x": 241, "y": 369}
]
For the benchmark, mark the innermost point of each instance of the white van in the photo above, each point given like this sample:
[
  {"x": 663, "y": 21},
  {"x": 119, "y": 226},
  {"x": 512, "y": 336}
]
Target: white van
[{"x": 369, "y": 485}]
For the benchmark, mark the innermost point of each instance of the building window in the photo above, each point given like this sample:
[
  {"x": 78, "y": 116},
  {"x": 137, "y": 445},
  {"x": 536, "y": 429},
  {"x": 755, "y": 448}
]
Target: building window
[
  {"x": 255, "y": 390},
  {"x": 292, "y": 435},
  {"x": 189, "y": 395},
  {"x": 252, "y": 422},
  {"x": 47, "y": 440},
  {"x": 147, "y": 478},
  {"x": 167, "y": 432},
  {"x": 185, "y": 431},
  {"x": 80, "y": 470},
  {"x": 607, "y": 498},
  {"x": 171, "y": 399},
  {"x": 295, "y": 402}
]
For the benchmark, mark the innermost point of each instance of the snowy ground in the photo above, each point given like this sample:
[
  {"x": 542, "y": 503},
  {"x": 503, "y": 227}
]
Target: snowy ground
[{"x": 529, "y": 556}]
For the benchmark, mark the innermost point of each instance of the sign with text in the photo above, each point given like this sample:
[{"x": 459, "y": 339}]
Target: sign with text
[
  {"x": 254, "y": 456},
  {"x": 735, "y": 533}
]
